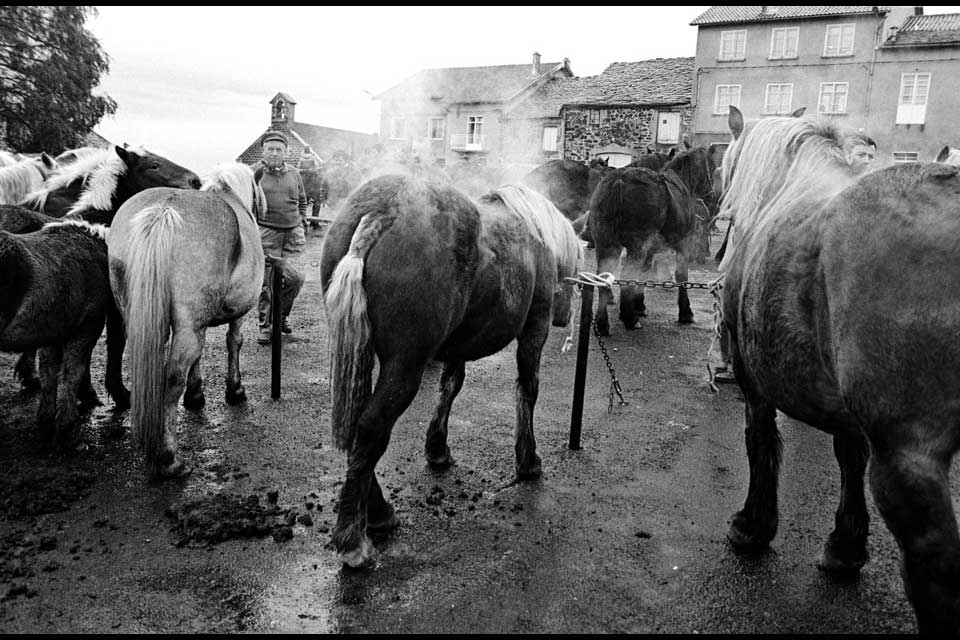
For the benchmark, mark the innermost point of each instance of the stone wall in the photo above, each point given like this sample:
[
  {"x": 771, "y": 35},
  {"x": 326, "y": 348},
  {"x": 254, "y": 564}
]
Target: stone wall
[{"x": 586, "y": 128}]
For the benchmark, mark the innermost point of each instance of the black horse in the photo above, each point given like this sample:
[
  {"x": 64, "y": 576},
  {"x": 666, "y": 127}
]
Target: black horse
[
  {"x": 637, "y": 209},
  {"x": 568, "y": 184}
]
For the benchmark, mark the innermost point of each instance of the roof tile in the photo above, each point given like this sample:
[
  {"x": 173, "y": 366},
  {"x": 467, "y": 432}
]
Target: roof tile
[{"x": 727, "y": 15}]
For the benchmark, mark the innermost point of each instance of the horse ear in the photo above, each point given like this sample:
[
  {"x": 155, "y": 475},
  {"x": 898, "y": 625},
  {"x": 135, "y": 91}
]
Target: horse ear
[
  {"x": 712, "y": 149},
  {"x": 686, "y": 145},
  {"x": 49, "y": 163},
  {"x": 125, "y": 155},
  {"x": 798, "y": 112},
  {"x": 735, "y": 122},
  {"x": 944, "y": 154},
  {"x": 673, "y": 151},
  {"x": 649, "y": 150}
]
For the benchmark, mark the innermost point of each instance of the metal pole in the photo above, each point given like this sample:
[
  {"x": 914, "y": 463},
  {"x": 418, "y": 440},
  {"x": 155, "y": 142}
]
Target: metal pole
[
  {"x": 276, "y": 300},
  {"x": 580, "y": 377}
]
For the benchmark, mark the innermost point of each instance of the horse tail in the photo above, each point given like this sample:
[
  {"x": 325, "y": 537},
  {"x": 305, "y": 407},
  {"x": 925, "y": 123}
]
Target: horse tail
[
  {"x": 351, "y": 350},
  {"x": 146, "y": 276}
]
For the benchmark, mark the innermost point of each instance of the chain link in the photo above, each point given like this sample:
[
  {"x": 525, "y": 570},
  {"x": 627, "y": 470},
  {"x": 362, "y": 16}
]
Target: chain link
[
  {"x": 614, "y": 383},
  {"x": 607, "y": 280}
]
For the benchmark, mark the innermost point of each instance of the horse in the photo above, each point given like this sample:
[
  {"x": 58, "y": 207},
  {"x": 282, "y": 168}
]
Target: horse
[
  {"x": 91, "y": 188},
  {"x": 567, "y": 183},
  {"x": 97, "y": 183},
  {"x": 342, "y": 177},
  {"x": 182, "y": 261},
  {"x": 493, "y": 272},
  {"x": 839, "y": 299},
  {"x": 26, "y": 176},
  {"x": 637, "y": 208},
  {"x": 55, "y": 298},
  {"x": 316, "y": 188},
  {"x": 949, "y": 155},
  {"x": 654, "y": 160}
]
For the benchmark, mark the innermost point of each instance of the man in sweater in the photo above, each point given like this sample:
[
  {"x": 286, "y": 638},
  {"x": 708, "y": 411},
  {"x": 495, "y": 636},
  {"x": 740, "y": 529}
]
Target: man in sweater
[{"x": 281, "y": 227}]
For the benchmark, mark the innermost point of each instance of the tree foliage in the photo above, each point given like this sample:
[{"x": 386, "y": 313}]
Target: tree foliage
[{"x": 49, "y": 65}]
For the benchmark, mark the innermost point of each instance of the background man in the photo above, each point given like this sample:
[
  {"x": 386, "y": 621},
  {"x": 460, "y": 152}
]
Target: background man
[
  {"x": 859, "y": 150},
  {"x": 281, "y": 227}
]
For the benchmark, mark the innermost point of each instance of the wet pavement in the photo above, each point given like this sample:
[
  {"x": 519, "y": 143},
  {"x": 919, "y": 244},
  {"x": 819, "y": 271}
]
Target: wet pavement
[{"x": 625, "y": 535}]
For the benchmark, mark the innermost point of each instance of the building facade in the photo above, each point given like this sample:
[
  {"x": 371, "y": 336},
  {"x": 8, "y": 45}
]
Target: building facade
[
  {"x": 326, "y": 142},
  {"x": 883, "y": 71}
]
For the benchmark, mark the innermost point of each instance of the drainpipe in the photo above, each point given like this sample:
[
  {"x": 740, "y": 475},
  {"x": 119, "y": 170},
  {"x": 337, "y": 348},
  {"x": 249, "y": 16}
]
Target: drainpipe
[{"x": 878, "y": 34}]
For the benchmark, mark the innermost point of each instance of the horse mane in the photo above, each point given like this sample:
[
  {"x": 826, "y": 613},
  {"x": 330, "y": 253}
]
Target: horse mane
[
  {"x": 780, "y": 163},
  {"x": 238, "y": 179},
  {"x": 101, "y": 183},
  {"x": 96, "y": 230},
  {"x": 544, "y": 221},
  {"x": 18, "y": 180}
]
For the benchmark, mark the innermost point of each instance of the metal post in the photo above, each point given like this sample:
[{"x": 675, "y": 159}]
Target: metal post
[
  {"x": 276, "y": 299},
  {"x": 580, "y": 377}
]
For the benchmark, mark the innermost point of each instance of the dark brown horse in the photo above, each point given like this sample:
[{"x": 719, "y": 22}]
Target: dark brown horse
[
  {"x": 54, "y": 297},
  {"x": 839, "y": 296},
  {"x": 414, "y": 271},
  {"x": 636, "y": 209},
  {"x": 567, "y": 183}
]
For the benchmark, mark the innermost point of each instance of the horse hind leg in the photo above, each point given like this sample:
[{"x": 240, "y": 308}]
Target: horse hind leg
[
  {"x": 846, "y": 549},
  {"x": 235, "y": 391},
  {"x": 910, "y": 485},
  {"x": 436, "y": 449},
  {"x": 529, "y": 349},
  {"x": 361, "y": 499},
  {"x": 50, "y": 359},
  {"x": 755, "y": 525},
  {"x": 193, "y": 397},
  {"x": 185, "y": 350},
  {"x": 26, "y": 371},
  {"x": 607, "y": 260},
  {"x": 74, "y": 377},
  {"x": 116, "y": 341}
]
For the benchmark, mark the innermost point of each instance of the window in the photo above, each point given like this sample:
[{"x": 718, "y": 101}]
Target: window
[
  {"x": 550, "y": 138},
  {"x": 839, "y": 40},
  {"x": 833, "y": 97},
  {"x": 727, "y": 94},
  {"x": 903, "y": 157},
  {"x": 783, "y": 43},
  {"x": 435, "y": 128},
  {"x": 733, "y": 45},
  {"x": 475, "y": 130},
  {"x": 596, "y": 116},
  {"x": 779, "y": 98},
  {"x": 912, "y": 106},
  {"x": 397, "y": 128}
]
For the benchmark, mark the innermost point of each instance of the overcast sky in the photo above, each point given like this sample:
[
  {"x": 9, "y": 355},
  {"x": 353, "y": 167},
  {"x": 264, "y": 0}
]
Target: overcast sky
[{"x": 193, "y": 83}]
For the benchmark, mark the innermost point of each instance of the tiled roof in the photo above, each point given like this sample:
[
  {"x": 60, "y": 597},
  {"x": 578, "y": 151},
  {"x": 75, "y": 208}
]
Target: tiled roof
[
  {"x": 94, "y": 139},
  {"x": 283, "y": 96},
  {"x": 469, "y": 84},
  {"x": 727, "y": 15},
  {"x": 920, "y": 31},
  {"x": 662, "y": 81},
  {"x": 323, "y": 140}
]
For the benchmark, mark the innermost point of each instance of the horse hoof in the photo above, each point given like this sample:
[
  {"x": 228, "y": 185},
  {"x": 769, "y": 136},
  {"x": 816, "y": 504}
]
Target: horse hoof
[
  {"x": 363, "y": 556},
  {"x": 441, "y": 461},
  {"x": 177, "y": 469},
  {"x": 90, "y": 400},
  {"x": 531, "y": 472},
  {"x": 236, "y": 396},
  {"x": 631, "y": 326},
  {"x": 685, "y": 319},
  {"x": 194, "y": 402},
  {"x": 30, "y": 385},
  {"x": 839, "y": 557},
  {"x": 603, "y": 328},
  {"x": 743, "y": 535}
]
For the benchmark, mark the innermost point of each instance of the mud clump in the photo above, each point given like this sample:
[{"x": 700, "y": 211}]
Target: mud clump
[{"x": 218, "y": 517}]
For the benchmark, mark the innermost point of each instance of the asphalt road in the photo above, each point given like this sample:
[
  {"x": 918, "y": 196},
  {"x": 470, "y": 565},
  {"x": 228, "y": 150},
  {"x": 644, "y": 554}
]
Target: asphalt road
[{"x": 625, "y": 535}]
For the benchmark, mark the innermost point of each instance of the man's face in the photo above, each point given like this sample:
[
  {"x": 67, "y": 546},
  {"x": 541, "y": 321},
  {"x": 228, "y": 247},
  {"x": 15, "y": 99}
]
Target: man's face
[
  {"x": 273, "y": 153},
  {"x": 861, "y": 156}
]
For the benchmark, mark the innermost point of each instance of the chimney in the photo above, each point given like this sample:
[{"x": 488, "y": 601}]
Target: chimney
[
  {"x": 918, "y": 11},
  {"x": 893, "y": 31},
  {"x": 536, "y": 64}
]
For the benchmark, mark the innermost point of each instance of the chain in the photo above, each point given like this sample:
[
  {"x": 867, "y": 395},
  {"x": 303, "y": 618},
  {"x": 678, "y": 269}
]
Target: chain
[
  {"x": 614, "y": 383},
  {"x": 607, "y": 280},
  {"x": 715, "y": 288}
]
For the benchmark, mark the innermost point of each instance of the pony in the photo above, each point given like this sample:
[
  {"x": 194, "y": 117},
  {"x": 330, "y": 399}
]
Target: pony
[
  {"x": 21, "y": 178},
  {"x": 55, "y": 296},
  {"x": 97, "y": 183},
  {"x": 839, "y": 299},
  {"x": 567, "y": 183},
  {"x": 182, "y": 261},
  {"x": 653, "y": 159},
  {"x": 493, "y": 272},
  {"x": 637, "y": 208},
  {"x": 91, "y": 188},
  {"x": 949, "y": 155}
]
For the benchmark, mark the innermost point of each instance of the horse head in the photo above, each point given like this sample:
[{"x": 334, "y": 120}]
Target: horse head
[{"x": 145, "y": 170}]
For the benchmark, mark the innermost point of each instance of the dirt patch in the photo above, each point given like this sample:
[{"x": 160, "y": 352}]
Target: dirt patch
[
  {"x": 215, "y": 518},
  {"x": 27, "y": 489}
]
